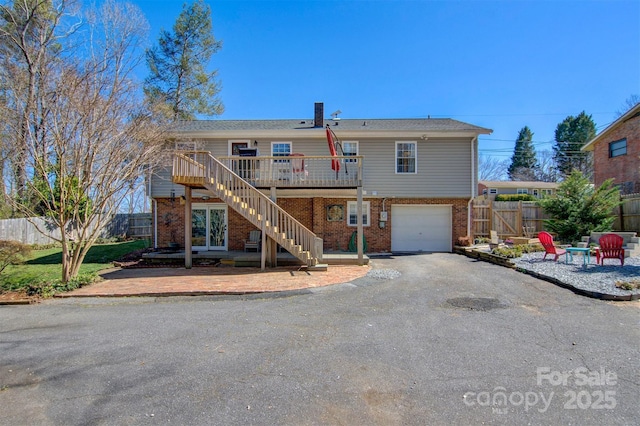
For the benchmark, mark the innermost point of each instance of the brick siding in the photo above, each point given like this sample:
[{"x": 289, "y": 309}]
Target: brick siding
[
  {"x": 624, "y": 168},
  {"x": 312, "y": 213}
]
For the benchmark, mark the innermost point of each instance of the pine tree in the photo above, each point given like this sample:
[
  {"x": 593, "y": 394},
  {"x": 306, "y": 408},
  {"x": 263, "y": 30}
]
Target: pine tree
[
  {"x": 178, "y": 81},
  {"x": 571, "y": 135},
  {"x": 524, "y": 164}
]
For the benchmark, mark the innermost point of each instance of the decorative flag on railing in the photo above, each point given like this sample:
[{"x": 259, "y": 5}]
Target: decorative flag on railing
[{"x": 335, "y": 163}]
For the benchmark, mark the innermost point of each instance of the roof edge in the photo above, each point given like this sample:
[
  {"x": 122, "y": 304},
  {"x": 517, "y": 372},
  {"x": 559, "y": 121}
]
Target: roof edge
[{"x": 635, "y": 110}]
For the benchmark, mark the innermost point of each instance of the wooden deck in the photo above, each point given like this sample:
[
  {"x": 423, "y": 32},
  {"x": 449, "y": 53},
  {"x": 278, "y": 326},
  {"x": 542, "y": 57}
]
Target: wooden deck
[{"x": 275, "y": 172}]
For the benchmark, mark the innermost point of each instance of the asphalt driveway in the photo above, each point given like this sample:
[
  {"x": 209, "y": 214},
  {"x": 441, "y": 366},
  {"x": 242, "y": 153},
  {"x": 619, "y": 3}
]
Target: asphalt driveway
[{"x": 425, "y": 339}]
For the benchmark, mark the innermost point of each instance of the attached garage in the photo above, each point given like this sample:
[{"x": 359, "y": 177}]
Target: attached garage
[{"x": 421, "y": 228}]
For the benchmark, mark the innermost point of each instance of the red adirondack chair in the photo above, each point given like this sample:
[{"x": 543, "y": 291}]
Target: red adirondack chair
[
  {"x": 610, "y": 248},
  {"x": 549, "y": 248}
]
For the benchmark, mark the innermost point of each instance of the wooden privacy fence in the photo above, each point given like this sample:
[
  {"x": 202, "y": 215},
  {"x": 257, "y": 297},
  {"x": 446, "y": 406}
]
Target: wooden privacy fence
[
  {"x": 525, "y": 218},
  {"x": 628, "y": 214},
  {"x": 507, "y": 218},
  {"x": 136, "y": 225}
]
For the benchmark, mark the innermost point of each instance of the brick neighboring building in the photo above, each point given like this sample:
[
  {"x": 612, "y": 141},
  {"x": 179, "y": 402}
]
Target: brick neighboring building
[{"x": 616, "y": 152}]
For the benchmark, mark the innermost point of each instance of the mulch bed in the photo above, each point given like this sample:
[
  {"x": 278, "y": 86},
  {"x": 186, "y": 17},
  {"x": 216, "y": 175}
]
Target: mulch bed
[{"x": 16, "y": 298}]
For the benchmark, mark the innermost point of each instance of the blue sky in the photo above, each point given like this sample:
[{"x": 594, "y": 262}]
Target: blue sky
[{"x": 496, "y": 64}]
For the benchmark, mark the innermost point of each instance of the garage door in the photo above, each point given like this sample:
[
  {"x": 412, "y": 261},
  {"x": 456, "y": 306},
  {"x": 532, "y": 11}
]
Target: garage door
[{"x": 420, "y": 228}]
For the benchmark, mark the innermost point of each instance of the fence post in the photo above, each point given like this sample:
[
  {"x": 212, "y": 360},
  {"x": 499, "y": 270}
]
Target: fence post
[
  {"x": 519, "y": 229},
  {"x": 621, "y": 213},
  {"x": 490, "y": 216}
]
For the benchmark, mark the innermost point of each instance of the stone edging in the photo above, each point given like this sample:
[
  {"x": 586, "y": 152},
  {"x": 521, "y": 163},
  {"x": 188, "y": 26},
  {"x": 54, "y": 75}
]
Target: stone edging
[{"x": 503, "y": 261}]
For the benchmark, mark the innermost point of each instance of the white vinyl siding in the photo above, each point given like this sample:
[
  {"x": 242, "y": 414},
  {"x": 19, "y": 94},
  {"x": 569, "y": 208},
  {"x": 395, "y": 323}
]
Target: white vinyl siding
[
  {"x": 443, "y": 166},
  {"x": 443, "y": 169}
]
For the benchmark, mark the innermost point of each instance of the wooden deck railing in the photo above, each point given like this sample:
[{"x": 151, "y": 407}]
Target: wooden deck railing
[
  {"x": 297, "y": 171},
  {"x": 200, "y": 169}
]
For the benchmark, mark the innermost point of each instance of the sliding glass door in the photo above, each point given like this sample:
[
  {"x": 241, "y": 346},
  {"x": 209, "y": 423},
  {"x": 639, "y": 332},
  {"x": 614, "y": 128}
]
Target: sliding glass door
[{"x": 209, "y": 227}]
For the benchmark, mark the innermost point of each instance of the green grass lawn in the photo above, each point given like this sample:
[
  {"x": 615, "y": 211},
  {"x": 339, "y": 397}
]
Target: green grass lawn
[{"x": 45, "y": 266}]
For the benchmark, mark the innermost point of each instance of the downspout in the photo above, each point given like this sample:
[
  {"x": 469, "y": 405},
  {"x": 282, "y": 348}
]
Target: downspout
[
  {"x": 474, "y": 143},
  {"x": 155, "y": 223}
]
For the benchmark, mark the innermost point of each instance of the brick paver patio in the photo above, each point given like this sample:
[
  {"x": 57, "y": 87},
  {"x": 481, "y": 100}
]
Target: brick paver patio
[{"x": 213, "y": 280}]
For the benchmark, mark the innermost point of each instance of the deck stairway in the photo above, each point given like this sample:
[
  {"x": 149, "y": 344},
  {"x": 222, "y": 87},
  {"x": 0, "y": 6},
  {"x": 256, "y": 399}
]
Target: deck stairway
[{"x": 200, "y": 170}]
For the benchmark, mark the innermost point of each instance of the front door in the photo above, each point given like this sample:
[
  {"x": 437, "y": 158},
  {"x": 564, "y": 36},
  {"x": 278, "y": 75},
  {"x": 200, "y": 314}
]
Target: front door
[{"x": 209, "y": 227}]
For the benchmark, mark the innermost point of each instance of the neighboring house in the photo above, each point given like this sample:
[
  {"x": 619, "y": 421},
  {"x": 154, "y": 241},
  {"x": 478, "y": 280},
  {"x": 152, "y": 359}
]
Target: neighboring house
[
  {"x": 616, "y": 152},
  {"x": 415, "y": 179},
  {"x": 490, "y": 188}
]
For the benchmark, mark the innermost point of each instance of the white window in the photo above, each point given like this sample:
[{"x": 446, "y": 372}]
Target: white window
[
  {"x": 186, "y": 146},
  {"x": 352, "y": 211},
  {"x": 493, "y": 191},
  {"x": 535, "y": 193},
  {"x": 350, "y": 148},
  {"x": 406, "y": 153},
  {"x": 547, "y": 191},
  {"x": 281, "y": 149},
  {"x": 522, "y": 191}
]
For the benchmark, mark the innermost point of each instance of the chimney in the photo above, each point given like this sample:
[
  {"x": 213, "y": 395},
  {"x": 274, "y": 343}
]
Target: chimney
[{"x": 318, "y": 115}]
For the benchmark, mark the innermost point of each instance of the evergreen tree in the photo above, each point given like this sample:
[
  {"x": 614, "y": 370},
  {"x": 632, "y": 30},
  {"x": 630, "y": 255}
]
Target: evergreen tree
[
  {"x": 178, "y": 81},
  {"x": 571, "y": 135},
  {"x": 578, "y": 208},
  {"x": 523, "y": 162}
]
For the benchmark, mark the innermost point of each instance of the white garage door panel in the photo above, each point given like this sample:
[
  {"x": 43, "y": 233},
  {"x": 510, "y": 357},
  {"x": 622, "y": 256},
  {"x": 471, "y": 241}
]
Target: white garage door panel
[{"x": 420, "y": 228}]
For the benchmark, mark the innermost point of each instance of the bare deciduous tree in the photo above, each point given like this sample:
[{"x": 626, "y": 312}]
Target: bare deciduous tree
[
  {"x": 547, "y": 171},
  {"x": 492, "y": 168},
  {"x": 31, "y": 37},
  {"x": 629, "y": 103},
  {"x": 97, "y": 136}
]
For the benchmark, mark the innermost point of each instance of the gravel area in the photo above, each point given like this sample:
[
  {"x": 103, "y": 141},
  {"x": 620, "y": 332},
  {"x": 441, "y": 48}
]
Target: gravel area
[
  {"x": 384, "y": 274},
  {"x": 592, "y": 277}
]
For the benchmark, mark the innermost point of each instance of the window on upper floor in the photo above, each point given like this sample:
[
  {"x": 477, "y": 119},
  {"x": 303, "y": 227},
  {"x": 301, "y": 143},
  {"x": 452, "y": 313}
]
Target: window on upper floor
[
  {"x": 352, "y": 209},
  {"x": 281, "y": 149},
  {"x": 406, "y": 155},
  {"x": 350, "y": 148},
  {"x": 186, "y": 146},
  {"x": 618, "y": 148}
]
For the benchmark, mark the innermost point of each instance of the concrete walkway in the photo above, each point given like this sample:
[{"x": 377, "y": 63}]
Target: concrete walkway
[{"x": 212, "y": 280}]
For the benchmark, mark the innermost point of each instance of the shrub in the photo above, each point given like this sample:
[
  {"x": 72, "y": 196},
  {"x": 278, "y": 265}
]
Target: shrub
[
  {"x": 517, "y": 251},
  {"x": 48, "y": 289},
  {"x": 515, "y": 197},
  {"x": 508, "y": 252},
  {"x": 12, "y": 252},
  {"x": 578, "y": 208}
]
